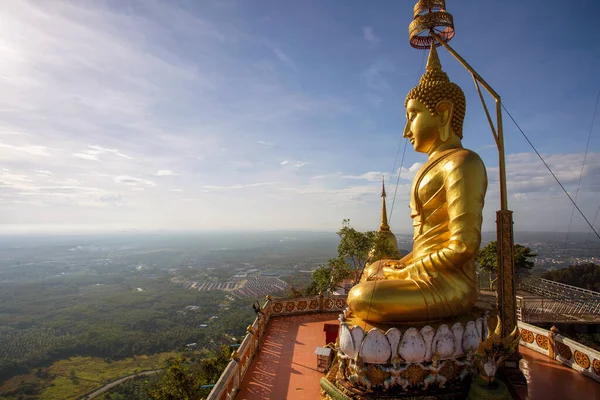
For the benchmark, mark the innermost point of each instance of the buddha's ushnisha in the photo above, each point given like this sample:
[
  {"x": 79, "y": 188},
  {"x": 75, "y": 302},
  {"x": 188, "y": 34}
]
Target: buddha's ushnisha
[{"x": 437, "y": 279}]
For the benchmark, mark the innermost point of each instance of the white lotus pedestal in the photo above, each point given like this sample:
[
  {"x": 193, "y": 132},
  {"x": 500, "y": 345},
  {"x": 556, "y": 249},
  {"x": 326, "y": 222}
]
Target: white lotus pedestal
[{"x": 405, "y": 361}]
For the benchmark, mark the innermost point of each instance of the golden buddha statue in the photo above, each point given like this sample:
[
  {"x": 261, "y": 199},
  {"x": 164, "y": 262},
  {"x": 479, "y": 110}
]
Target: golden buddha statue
[{"x": 437, "y": 279}]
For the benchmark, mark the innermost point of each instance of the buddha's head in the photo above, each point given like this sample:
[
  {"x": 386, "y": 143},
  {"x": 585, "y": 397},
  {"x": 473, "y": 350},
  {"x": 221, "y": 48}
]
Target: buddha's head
[{"x": 435, "y": 108}]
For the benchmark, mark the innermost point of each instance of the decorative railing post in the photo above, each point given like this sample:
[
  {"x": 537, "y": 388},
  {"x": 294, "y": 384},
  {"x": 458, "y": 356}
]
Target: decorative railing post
[
  {"x": 238, "y": 377},
  {"x": 259, "y": 331},
  {"x": 250, "y": 330},
  {"x": 552, "y": 342},
  {"x": 320, "y": 302}
]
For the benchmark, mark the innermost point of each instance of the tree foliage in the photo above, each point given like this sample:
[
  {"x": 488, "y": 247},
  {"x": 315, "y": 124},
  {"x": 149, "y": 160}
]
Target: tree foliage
[
  {"x": 586, "y": 276},
  {"x": 112, "y": 324},
  {"x": 487, "y": 259},
  {"x": 183, "y": 378},
  {"x": 327, "y": 278},
  {"x": 381, "y": 248},
  {"x": 355, "y": 250}
]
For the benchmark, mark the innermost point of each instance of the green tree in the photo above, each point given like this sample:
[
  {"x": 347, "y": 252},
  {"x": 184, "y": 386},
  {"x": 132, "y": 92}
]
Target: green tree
[
  {"x": 522, "y": 255},
  {"x": 586, "y": 276},
  {"x": 381, "y": 248},
  {"x": 328, "y": 277},
  {"x": 355, "y": 250},
  {"x": 487, "y": 259},
  {"x": 73, "y": 377},
  {"x": 183, "y": 379},
  {"x": 177, "y": 382}
]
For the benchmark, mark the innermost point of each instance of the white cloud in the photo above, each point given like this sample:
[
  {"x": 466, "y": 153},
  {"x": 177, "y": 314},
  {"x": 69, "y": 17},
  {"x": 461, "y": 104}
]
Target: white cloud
[
  {"x": 369, "y": 35},
  {"x": 409, "y": 173},
  {"x": 349, "y": 195},
  {"x": 285, "y": 59},
  {"x": 164, "y": 172},
  {"x": 68, "y": 181},
  {"x": 10, "y": 152},
  {"x": 239, "y": 186},
  {"x": 133, "y": 181},
  {"x": 86, "y": 156},
  {"x": 10, "y": 179},
  {"x": 526, "y": 173},
  {"x": 405, "y": 173},
  {"x": 368, "y": 176},
  {"x": 92, "y": 153},
  {"x": 42, "y": 172},
  {"x": 102, "y": 150},
  {"x": 294, "y": 164},
  {"x": 266, "y": 143},
  {"x": 175, "y": 190},
  {"x": 20, "y": 189}
]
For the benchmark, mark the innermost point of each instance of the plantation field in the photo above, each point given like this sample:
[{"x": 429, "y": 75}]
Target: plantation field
[{"x": 77, "y": 376}]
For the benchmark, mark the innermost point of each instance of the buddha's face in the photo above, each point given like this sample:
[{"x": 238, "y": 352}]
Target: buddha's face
[{"x": 422, "y": 128}]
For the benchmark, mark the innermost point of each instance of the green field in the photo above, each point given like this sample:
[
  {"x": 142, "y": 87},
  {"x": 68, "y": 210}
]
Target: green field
[{"x": 89, "y": 373}]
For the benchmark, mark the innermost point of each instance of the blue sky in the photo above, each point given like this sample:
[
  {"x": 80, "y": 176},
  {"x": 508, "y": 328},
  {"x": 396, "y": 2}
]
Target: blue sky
[{"x": 275, "y": 114}]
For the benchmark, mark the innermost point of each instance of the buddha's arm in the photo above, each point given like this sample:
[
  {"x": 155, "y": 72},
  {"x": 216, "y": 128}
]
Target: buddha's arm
[{"x": 465, "y": 187}]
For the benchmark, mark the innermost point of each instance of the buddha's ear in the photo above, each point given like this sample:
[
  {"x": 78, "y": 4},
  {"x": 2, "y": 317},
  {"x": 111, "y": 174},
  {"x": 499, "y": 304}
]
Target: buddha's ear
[{"x": 444, "y": 110}]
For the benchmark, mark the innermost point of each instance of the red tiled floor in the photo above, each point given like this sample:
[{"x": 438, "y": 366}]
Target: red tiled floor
[
  {"x": 549, "y": 380},
  {"x": 285, "y": 367}
]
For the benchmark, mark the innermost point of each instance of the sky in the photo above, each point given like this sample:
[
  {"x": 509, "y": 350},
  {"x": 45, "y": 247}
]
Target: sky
[{"x": 278, "y": 114}]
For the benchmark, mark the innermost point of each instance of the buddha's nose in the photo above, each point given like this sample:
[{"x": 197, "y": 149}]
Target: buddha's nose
[{"x": 407, "y": 132}]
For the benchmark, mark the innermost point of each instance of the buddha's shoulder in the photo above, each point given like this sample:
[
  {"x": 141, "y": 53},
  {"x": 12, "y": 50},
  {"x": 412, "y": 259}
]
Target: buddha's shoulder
[{"x": 466, "y": 157}]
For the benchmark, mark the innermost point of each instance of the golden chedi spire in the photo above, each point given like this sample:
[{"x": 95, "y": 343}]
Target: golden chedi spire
[
  {"x": 434, "y": 86},
  {"x": 385, "y": 231},
  {"x": 384, "y": 227}
]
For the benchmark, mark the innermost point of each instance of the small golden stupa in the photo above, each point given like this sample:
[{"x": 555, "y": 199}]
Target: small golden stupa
[{"x": 384, "y": 227}]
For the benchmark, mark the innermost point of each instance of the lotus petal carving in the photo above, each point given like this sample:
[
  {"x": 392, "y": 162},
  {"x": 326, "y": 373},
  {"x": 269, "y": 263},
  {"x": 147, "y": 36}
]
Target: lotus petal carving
[
  {"x": 457, "y": 331},
  {"x": 393, "y": 336},
  {"x": 347, "y": 343},
  {"x": 443, "y": 342},
  {"x": 470, "y": 340},
  {"x": 375, "y": 348},
  {"x": 412, "y": 346},
  {"x": 428, "y": 333},
  {"x": 358, "y": 335}
]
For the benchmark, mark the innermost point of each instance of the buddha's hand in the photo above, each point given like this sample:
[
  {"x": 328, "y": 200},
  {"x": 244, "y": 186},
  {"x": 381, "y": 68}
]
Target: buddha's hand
[
  {"x": 373, "y": 272},
  {"x": 395, "y": 270}
]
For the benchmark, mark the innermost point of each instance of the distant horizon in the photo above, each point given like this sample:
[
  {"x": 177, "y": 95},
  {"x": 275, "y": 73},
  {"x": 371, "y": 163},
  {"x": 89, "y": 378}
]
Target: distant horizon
[{"x": 52, "y": 230}]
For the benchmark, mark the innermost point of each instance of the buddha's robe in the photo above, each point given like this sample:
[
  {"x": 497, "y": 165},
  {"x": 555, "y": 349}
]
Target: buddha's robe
[{"x": 438, "y": 279}]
